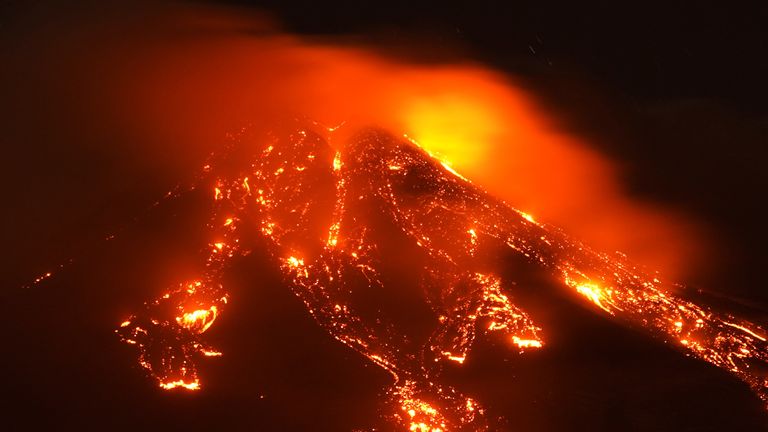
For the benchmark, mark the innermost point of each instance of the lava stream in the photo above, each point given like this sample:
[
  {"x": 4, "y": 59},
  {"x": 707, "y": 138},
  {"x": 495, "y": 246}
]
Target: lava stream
[{"x": 328, "y": 253}]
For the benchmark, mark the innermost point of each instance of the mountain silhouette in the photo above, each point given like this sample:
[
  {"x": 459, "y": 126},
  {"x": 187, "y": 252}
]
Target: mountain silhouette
[{"x": 447, "y": 309}]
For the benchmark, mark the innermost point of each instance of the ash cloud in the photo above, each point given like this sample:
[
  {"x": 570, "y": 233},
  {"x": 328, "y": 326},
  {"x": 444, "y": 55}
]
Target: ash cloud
[{"x": 146, "y": 91}]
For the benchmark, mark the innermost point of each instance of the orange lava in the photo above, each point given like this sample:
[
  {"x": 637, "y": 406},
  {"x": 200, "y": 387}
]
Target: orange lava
[{"x": 449, "y": 219}]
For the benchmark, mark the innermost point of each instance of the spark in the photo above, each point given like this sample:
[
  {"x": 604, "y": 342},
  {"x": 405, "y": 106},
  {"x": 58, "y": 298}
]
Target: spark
[{"x": 41, "y": 278}]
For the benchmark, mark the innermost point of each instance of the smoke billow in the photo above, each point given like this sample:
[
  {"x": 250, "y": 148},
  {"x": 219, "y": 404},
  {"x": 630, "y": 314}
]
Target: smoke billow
[{"x": 173, "y": 80}]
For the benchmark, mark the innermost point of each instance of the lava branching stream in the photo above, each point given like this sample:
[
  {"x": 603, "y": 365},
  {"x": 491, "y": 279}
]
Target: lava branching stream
[{"x": 312, "y": 200}]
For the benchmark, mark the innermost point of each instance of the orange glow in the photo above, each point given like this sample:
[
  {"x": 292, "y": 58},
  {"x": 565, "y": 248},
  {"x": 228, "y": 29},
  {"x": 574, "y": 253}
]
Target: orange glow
[
  {"x": 295, "y": 262},
  {"x": 472, "y": 121},
  {"x": 527, "y": 217},
  {"x": 526, "y": 343},
  {"x": 199, "y": 320},
  {"x": 42, "y": 277},
  {"x": 460, "y": 296},
  {"x": 594, "y": 293},
  {"x": 745, "y": 330},
  {"x": 447, "y": 166},
  {"x": 457, "y": 359},
  {"x": 481, "y": 124},
  {"x": 333, "y": 235},
  {"x": 180, "y": 384},
  {"x": 422, "y": 416}
]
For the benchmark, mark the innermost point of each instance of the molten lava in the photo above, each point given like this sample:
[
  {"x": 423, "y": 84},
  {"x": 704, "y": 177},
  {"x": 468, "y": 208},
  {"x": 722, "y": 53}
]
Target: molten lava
[{"x": 314, "y": 203}]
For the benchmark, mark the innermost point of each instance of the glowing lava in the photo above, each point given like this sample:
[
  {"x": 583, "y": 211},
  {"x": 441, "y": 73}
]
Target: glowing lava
[{"x": 450, "y": 220}]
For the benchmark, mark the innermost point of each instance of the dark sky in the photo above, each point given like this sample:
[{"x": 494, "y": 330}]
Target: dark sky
[{"x": 676, "y": 93}]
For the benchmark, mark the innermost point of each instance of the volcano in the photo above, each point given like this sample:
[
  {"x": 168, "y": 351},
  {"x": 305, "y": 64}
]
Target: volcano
[{"x": 424, "y": 304}]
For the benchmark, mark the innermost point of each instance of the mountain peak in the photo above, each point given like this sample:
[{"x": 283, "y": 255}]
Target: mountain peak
[{"x": 320, "y": 210}]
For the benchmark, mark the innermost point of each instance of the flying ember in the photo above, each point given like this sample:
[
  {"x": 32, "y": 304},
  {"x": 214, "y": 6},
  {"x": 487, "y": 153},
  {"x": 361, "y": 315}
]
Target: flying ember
[{"x": 317, "y": 206}]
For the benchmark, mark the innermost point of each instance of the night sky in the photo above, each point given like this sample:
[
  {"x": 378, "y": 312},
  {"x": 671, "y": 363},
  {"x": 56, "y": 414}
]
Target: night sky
[{"x": 675, "y": 93}]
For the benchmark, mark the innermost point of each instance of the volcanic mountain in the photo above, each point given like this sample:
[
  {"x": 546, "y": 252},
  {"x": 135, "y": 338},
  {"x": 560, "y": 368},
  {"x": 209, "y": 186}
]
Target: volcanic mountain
[{"x": 447, "y": 309}]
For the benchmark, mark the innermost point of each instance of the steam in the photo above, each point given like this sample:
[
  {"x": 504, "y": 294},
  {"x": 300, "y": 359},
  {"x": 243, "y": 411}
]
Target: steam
[{"x": 177, "y": 83}]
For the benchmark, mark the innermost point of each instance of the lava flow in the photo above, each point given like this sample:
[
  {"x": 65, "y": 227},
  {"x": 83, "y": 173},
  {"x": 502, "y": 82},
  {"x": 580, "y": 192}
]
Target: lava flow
[{"x": 314, "y": 203}]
